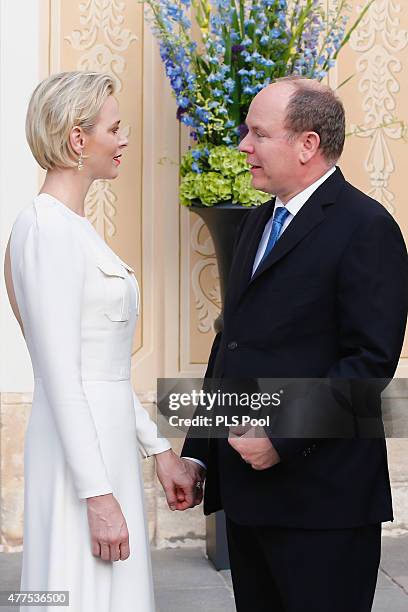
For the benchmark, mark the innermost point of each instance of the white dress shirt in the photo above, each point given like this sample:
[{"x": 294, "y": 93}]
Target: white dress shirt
[{"x": 293, "y": 206}]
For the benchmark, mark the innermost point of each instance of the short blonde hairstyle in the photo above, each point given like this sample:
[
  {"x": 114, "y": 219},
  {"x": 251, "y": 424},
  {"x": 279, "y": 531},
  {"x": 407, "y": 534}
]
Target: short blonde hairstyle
[{"x": 57, "y": 104}]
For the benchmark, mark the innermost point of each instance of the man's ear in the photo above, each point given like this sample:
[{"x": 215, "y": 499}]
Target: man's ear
[{"x": 310, "y": 143}]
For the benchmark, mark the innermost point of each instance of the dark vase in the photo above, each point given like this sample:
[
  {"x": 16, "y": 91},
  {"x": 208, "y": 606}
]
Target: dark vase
[{"x": 222, "y": 221}]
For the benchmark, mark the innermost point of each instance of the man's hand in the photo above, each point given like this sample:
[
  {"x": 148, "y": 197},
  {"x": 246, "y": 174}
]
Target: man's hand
[
  {"x": 177, "y": 479},
  {"x": 198, "y": 474},
  {"x": 255, "y": 448}
]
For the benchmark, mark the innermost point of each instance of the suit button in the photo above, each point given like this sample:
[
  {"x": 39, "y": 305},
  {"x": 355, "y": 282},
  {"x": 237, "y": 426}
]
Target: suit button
[{"x": 232, "y": 345}]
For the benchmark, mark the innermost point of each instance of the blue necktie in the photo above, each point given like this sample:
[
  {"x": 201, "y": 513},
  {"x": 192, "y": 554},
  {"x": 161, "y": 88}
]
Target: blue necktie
[{"x": 277, "y": 224}]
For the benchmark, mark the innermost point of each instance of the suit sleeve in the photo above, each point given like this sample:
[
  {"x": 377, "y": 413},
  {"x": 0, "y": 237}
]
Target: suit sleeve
[
  {"x": 213, "y": 356},
  {"x": 372, "y": 304},
  {"x": 52, "y": 271},
  {"x": 372, "y": 298},
  {"x": 198, "y": 447},
  {"x": 149, "y": 443}
]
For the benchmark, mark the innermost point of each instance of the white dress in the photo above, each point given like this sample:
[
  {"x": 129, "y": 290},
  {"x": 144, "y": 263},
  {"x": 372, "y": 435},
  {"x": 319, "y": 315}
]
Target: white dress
[{"x": 79, "y": 304}]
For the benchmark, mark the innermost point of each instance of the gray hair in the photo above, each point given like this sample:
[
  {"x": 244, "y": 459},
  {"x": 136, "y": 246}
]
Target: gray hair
[{"x": 314, "y": 107}]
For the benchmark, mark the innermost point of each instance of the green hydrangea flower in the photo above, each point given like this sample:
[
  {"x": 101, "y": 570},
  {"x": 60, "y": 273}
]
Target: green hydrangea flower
[
  {"x": 186, "y": 163},
  {"x": 212, "y": 188},
  {"x": 229, "y": 161},
  {"x": 199, "y": 159},
  {"x": 213, "y": 174},
  {"x": 188, "y": 188},
  {"x": 243, "y": 192}
]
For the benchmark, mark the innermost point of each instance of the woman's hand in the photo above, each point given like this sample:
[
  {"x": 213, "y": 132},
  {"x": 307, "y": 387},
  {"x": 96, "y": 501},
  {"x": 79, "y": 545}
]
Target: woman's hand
[
  {"x": 178, "y": 482},
  {"x": 109, "y": 532}
]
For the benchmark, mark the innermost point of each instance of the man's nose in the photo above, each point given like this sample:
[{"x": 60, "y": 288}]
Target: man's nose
[{"x": 245, "y": 146}]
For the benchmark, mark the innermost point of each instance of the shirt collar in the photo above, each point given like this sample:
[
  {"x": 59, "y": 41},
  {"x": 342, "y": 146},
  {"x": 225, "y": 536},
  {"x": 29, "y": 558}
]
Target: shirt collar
[{"x": 296, "y": 203}]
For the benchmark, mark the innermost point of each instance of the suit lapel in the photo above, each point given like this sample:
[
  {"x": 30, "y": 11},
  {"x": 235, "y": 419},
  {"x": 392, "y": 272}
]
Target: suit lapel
[
  {"x": 242, "y": 275},
  {"x": 310, "y": 216}
]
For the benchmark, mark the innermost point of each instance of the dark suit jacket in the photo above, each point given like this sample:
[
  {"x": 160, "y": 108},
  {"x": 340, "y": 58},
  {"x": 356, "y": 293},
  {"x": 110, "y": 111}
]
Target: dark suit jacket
[{"x": 329, "y": 301}]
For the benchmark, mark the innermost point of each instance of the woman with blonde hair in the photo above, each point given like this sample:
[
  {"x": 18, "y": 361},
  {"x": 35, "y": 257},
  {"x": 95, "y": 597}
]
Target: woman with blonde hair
[{"x": 77, "y": 304}]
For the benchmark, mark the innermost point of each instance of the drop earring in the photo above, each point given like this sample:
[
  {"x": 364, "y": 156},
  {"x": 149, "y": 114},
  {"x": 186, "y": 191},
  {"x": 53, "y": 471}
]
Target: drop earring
[{"x": 80, "y": 162}]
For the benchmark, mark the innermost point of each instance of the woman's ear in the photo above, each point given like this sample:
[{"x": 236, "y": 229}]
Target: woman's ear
[{"x": 76, "y": 139}]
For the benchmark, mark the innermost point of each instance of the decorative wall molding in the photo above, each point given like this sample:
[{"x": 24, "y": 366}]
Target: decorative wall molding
[
  {"x": 207, "y": 298},
  {"x": 102, "y": 41},
  {"x": 102, "y": 19},
  {"x": 100, "y": 208},
  {"x": 378, "y": 41}
]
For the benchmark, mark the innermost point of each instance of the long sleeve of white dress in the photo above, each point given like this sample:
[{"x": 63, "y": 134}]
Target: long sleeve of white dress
[
  {"x": 149, "y": 442},
  {"x": 52, "y": 272}
]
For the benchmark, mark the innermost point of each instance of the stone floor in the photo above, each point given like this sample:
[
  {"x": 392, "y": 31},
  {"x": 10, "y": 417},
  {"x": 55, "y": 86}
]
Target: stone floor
[{"x": 185, "y": 581}]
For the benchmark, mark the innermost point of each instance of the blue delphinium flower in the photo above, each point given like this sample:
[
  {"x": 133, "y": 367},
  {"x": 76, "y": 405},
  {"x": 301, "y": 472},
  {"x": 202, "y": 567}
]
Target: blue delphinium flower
[{"x": 245, "y": 45}]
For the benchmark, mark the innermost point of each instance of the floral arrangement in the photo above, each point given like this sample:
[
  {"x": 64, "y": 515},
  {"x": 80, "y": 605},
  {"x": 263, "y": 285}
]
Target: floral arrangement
[
  {"x": 213, "y": 174},
  {"x": 238, "y": 47}
]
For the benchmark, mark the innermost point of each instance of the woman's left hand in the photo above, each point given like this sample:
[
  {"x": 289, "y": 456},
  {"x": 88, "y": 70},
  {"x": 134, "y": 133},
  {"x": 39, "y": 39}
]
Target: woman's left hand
[{"x": 177, "y": 481}]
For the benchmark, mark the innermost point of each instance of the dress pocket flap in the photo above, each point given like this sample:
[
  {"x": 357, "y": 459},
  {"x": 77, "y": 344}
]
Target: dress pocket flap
[{"x": 110, "y": 268}]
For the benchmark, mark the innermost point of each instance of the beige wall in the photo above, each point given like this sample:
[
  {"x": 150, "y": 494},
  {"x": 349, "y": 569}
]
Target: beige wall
[
  {"x": 140, "y": 217},
  {"x": 375, "y": 160}
]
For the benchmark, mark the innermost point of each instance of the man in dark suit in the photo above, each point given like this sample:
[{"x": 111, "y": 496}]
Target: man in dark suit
[{"x": 318, "y": 290}]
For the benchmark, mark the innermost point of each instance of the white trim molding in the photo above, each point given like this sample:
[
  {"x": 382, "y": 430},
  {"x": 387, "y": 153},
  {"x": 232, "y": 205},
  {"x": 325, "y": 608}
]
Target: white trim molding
[{"x": 19, "y": 74}]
